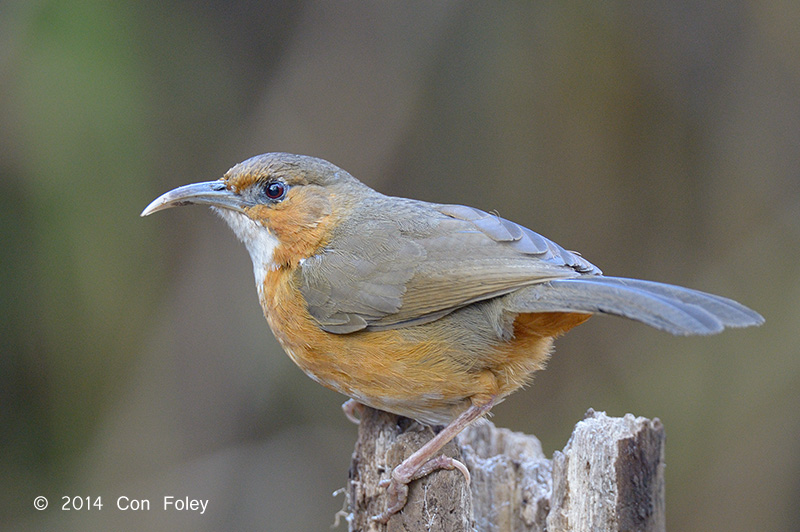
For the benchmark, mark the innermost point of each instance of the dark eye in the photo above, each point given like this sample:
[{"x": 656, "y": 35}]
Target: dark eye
[{"x": 275, "y": 190}]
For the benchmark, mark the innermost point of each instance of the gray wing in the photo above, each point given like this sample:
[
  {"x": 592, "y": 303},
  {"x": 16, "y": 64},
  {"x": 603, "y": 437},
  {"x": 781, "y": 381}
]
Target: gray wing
[
  {"x": 409, "y": 262},
  {"x": 358, "y": 280},
  {"x": 675, "y": 309}
]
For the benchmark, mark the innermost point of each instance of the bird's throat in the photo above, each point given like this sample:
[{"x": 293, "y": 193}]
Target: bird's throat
[{"x": 258, "y": 240}]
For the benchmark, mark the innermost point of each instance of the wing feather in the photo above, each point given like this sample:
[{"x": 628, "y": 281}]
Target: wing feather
[
  {"x": 675, "y": 309},
  {"x": 400, "y": 262}
]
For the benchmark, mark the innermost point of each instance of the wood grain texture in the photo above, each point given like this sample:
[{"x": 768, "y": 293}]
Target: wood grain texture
[{"x": 609, "y": 477}]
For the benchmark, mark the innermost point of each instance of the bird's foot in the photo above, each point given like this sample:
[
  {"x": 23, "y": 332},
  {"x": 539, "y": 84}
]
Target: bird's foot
[
  {"x": 350, "y": 407},
  {"x": 423, "y": 462},
  {"x": 397, "y": 485}
]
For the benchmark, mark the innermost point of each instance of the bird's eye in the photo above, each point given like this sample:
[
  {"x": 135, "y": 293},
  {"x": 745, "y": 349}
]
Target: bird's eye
[{"x": 275, "y": 190}]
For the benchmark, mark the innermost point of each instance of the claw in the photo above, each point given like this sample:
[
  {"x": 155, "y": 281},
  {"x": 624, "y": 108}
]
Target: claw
[
  {"x": 350, "y": 407},
  {"x": 442, "y": 462}
]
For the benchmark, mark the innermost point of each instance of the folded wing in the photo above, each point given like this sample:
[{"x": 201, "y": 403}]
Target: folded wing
[{"x": 409, "y": 262}]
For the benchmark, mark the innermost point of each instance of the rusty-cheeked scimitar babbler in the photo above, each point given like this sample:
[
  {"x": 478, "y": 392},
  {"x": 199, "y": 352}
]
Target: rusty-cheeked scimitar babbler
[{"x": 430, "y": 311}]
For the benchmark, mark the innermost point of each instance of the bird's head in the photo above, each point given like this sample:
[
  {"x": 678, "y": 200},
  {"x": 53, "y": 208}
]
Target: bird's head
[{"x": 283, "y": 207}]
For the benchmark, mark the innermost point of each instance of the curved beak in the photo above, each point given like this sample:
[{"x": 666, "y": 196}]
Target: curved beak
[{"x": 212, "y": 193}]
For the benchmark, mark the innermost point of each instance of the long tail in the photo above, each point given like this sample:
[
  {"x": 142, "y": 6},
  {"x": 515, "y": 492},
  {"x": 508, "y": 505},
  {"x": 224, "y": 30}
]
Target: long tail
[{"x": 675, "y": 309}]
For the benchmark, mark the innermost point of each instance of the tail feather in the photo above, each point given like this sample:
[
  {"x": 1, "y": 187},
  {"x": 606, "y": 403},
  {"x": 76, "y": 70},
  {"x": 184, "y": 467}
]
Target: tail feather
[{"x": 675, "y": 309}]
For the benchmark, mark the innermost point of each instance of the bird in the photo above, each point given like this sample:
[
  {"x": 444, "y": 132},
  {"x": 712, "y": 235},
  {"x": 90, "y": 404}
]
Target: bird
[{"x": 430, "y": 311}]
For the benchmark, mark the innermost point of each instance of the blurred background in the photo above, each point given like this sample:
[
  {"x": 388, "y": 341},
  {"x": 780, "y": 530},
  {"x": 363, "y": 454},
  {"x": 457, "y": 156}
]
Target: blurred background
[{"x": 661, "y": 140}]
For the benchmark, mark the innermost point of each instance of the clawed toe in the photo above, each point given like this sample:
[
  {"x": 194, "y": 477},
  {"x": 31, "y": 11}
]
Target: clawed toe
[
  {"x": 397, "y": 485},
  {"x": 396, "y": 495},
  {"x": 350, "y": 407},
  {"x": 442, "y": 462}
]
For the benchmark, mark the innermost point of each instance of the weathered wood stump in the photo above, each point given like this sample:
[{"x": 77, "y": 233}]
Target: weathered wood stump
[{"x": 609, "y": 477}]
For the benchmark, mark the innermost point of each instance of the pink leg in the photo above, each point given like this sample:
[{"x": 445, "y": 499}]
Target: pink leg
[{"x": 420, "y": 463}]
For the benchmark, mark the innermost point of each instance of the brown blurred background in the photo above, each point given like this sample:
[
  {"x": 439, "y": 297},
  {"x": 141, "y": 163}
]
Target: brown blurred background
[{"x": 660, "y": 139}]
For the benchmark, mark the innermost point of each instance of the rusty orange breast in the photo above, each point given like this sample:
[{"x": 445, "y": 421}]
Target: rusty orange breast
[{"x": 428, "y": 372}]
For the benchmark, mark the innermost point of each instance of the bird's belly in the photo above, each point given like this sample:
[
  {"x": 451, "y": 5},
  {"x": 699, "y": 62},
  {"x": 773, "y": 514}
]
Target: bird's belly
[
  {"x": 377, "y": 371},
  {"x": 405, "y": 371},
  {"x": 429, "y": 372}
]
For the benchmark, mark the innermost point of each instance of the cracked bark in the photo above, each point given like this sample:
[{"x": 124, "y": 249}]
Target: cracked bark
[{"x": 609, "y": 476}]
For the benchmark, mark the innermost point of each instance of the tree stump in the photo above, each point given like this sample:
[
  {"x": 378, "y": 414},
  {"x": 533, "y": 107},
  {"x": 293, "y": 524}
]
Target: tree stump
[{"x": 609, "y": 477}]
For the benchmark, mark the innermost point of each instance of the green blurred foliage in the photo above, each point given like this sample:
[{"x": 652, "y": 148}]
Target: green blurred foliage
[
  {"x": 74, "y": 126},
  {"x": 661, "y": 140}
]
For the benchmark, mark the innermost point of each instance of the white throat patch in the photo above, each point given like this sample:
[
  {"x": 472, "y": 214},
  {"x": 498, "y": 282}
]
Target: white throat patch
[{"x": 260, "y": 243}]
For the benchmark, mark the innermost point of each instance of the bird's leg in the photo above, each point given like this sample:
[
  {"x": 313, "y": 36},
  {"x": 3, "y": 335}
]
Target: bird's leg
[
  {"x": 421, "y": 464},
  {"x": 350, "y": 407}
]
